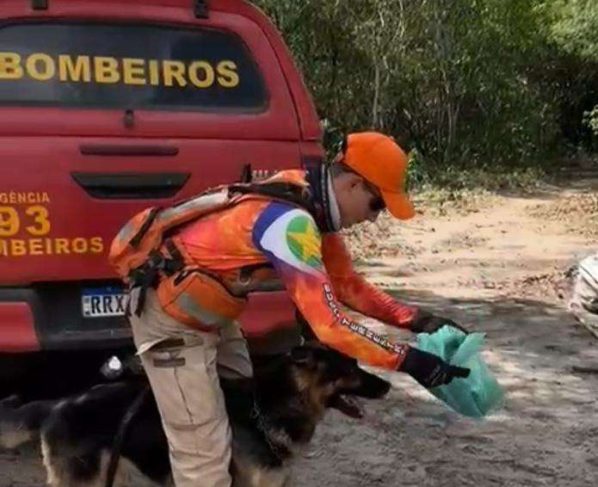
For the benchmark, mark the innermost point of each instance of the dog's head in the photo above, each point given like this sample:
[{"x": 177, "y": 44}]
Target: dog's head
[{"x": 329, "y": 379}]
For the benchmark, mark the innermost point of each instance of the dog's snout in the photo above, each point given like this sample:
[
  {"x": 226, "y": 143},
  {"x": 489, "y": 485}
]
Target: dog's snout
[
  {"x": 383, "y": 387},
  {"x": 361, "y": 383},
  {"x": 372, "y": 386}
]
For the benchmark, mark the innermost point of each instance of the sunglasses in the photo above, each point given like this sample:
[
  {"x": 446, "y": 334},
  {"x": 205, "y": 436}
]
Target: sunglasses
[{"x": 377, "y": 203}]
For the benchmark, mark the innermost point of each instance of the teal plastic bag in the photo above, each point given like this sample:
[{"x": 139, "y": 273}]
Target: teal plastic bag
[{"x": 475, "y": 396}]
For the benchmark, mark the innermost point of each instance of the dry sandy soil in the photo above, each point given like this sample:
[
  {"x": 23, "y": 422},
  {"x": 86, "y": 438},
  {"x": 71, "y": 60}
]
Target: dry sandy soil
[{"x": 496, "y": 263}]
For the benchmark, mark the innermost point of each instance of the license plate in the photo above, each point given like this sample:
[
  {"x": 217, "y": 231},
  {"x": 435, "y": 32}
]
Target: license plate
[{"x": 103, "y": 302}]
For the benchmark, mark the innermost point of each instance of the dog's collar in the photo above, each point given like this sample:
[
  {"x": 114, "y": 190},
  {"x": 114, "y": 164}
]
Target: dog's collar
[{"x": 279, "y": 442}]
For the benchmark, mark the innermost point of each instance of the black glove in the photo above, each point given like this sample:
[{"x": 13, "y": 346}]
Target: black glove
[
  {"x": 429, "y": 369},
  {"x": 425, "y": 322}
]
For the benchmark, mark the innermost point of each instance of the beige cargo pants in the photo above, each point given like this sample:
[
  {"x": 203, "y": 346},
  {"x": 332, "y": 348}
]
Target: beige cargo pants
[{"x": 183, "y": 366}]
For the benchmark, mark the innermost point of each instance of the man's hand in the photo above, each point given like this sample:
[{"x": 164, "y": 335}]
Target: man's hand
[
  {"x": 425, "y": 322},
  {"x": 429, "y": 369}
]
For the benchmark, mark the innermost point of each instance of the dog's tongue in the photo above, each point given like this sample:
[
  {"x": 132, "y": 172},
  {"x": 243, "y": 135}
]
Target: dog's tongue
[{"x": 348, "y": 406}]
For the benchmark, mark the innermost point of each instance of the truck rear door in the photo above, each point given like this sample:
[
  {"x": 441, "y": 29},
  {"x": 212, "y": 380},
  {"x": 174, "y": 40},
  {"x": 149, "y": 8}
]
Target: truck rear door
[{"x": 107, "y": 108}]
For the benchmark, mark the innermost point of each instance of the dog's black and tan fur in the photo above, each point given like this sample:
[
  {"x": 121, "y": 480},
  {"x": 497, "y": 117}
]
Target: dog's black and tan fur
[{"x": 291, "y": 395}]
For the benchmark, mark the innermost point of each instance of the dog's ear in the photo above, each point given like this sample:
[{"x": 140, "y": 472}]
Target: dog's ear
[{"x": 303, "y": 356}]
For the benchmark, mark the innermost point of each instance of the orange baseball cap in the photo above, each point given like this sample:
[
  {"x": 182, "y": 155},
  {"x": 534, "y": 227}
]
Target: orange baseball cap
[{"x": 379, "y": 159}]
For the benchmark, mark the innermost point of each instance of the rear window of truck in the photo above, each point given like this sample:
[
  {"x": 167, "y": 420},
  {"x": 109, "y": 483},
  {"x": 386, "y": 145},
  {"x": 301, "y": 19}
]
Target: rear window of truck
[{"x": 128, "y": 66}]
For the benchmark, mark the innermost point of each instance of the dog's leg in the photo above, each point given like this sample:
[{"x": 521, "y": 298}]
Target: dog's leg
[
  {"x": 127, "y": 475},
  {"x": 54, "y": 477},
  {"x": 70, "y": 471},
  {"x": 281, "y": 478},
  {"x": 289, "y": 481},
  {"x": 255, "y": 476}
]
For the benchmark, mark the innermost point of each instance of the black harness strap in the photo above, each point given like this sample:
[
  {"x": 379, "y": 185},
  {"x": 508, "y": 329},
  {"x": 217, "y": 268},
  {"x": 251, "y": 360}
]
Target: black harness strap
[
  {"x": 148, "y": 274},
  {"x": 136, "y": 240},
  {"x": 121, "y": 435},
  {"x": 284, "y": 191}
]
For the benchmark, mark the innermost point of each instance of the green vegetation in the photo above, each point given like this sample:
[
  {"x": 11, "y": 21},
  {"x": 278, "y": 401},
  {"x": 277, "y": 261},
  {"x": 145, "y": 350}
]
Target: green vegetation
[{"x": 505, "y": 88}]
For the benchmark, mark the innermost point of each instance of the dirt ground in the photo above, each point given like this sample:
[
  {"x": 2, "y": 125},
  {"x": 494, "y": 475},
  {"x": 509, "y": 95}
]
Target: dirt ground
[{"x": 496, "y": 263}]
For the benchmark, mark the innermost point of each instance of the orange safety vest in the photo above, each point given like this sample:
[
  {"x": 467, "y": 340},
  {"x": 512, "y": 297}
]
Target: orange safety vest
[
  {"x": 204, "y": 267},
  {"x": 145, "y": 254}
]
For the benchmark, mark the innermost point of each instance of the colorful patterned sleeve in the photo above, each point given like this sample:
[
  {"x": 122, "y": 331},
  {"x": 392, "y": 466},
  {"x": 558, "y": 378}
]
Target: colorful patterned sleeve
[
  {"x": 354, "y": 291},
  {"x": 288, "y": 236}
]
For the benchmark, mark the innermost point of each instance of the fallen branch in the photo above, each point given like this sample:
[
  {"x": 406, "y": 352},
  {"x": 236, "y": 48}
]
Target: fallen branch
[{"x": 584, "y": 370}]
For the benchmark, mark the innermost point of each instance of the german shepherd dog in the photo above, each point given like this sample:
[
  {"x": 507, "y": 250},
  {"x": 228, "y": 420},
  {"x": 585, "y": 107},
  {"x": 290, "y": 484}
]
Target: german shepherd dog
[{"x": 289, "y": 396}]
